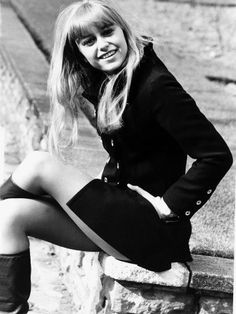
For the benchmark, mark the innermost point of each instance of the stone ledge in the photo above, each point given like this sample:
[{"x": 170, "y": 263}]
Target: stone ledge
[
  {"x": 208, "y": 273},
  {"x": 212, "y": 273},
  {"x": 177, "y": 276}
]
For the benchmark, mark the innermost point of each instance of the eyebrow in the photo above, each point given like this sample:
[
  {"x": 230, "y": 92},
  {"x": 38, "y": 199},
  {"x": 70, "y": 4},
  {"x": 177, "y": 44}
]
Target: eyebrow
[{"x": 84, "y": 36}]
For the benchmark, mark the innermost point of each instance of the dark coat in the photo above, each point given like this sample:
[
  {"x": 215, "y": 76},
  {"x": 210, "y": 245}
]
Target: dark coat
[{"x": 161, "y": 126}]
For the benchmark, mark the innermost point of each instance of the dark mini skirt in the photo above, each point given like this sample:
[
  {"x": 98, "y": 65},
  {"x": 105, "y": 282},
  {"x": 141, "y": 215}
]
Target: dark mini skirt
[
  {"x": 125, "y": 221},
  {"x": 130, "y": 224}
]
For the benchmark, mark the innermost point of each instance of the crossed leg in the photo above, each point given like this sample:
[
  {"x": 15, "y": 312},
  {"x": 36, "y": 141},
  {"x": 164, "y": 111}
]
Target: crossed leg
[
  {"x": 21, "y": 218},
  {"x": 41, "y": 173}
]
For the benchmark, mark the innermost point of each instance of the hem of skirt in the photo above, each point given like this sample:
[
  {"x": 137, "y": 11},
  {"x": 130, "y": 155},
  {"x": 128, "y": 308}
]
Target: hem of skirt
[
  {"x": 88, "y": 231},
  {"x": 80, "y": 193}
]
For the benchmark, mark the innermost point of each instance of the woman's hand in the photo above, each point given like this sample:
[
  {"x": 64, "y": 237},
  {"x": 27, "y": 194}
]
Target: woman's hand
[{"x": 158, "y": 203}]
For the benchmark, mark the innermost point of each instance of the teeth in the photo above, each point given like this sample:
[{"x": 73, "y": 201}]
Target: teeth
[{"x": 109, "y": 54}]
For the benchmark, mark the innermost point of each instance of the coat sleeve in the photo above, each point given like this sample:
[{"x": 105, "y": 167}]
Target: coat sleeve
[{"x": 176, "y": 111}]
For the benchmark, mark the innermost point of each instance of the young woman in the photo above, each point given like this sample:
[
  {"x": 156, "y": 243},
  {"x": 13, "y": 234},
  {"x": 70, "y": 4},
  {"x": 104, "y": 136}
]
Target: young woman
[{"x": 139, "y": 210}]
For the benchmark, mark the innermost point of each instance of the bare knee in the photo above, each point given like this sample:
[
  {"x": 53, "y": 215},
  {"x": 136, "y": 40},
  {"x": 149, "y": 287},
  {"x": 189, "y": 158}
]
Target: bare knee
[{"x": 28, "y": 173}]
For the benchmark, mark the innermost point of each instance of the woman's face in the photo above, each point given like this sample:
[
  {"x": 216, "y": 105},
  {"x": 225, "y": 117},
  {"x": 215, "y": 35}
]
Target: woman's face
[{"x": 105, "y": 48}]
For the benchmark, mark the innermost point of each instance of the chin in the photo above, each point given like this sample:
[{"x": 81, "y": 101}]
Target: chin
[{"x": 114, "y": 69}]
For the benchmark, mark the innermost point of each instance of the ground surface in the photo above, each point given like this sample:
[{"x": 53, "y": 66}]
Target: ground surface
[{"x": 196, "y": 42}]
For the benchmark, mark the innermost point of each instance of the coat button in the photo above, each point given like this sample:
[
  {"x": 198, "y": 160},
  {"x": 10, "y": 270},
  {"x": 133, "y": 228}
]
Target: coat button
[
  {"x": 105, "y": 179},
  {"x": 199, "y": 202},
  {"x": 187, "y": 213},
  {"x": 209, "y": 191}
]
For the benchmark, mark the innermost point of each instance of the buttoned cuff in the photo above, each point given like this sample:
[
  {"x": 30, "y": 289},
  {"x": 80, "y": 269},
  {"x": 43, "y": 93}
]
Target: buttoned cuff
[{"x": 188, "y": 210}]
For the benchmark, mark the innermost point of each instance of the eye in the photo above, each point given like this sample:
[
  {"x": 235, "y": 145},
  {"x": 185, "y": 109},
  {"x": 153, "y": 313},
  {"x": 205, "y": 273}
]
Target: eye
[
  {"x": 107, "y": 31},
  {"x": 89, "y": 41}
]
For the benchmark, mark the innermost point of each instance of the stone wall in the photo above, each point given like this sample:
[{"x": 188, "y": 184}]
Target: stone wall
[{"x": 101, "y": 284}]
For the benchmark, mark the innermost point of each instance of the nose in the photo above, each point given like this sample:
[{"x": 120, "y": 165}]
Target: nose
[{"x": 102, "y": 44}]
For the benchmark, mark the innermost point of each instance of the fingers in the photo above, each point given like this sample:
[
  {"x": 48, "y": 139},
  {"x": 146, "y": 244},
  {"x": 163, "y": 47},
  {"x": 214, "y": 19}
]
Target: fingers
[
  {"x": 142, "y": 192},
  {"x": 139, "y": 190},
  {"x": 152, "y": 199},
  {"x": 133, "y": 187}
]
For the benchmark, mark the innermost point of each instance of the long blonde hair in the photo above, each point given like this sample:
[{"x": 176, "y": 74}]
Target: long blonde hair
[{"x": 70, "y": 74}]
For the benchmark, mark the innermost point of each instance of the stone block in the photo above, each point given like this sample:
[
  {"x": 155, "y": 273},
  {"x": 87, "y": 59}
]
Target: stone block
[
  {"x": 82, "y": 275},
  {"x": 126, "y": 298},
  {"x": 177, "y": 276},
  {"x": 212, "y": 273},
  {"x": 209, "y": 305}
]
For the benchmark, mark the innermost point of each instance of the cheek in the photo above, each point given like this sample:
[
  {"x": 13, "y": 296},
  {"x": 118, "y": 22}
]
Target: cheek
[{"x": 86, "y": 54}]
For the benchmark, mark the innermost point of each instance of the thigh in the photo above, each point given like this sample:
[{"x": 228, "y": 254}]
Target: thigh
[
  {"x": 44, "y": 221},
  {"x": 41, "y": 172},
  {"x": 62, "y": 182}
]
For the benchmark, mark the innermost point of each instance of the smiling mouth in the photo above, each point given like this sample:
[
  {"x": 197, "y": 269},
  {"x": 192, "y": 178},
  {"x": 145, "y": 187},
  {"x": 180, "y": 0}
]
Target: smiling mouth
[{"x": 108, "y": 54}]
